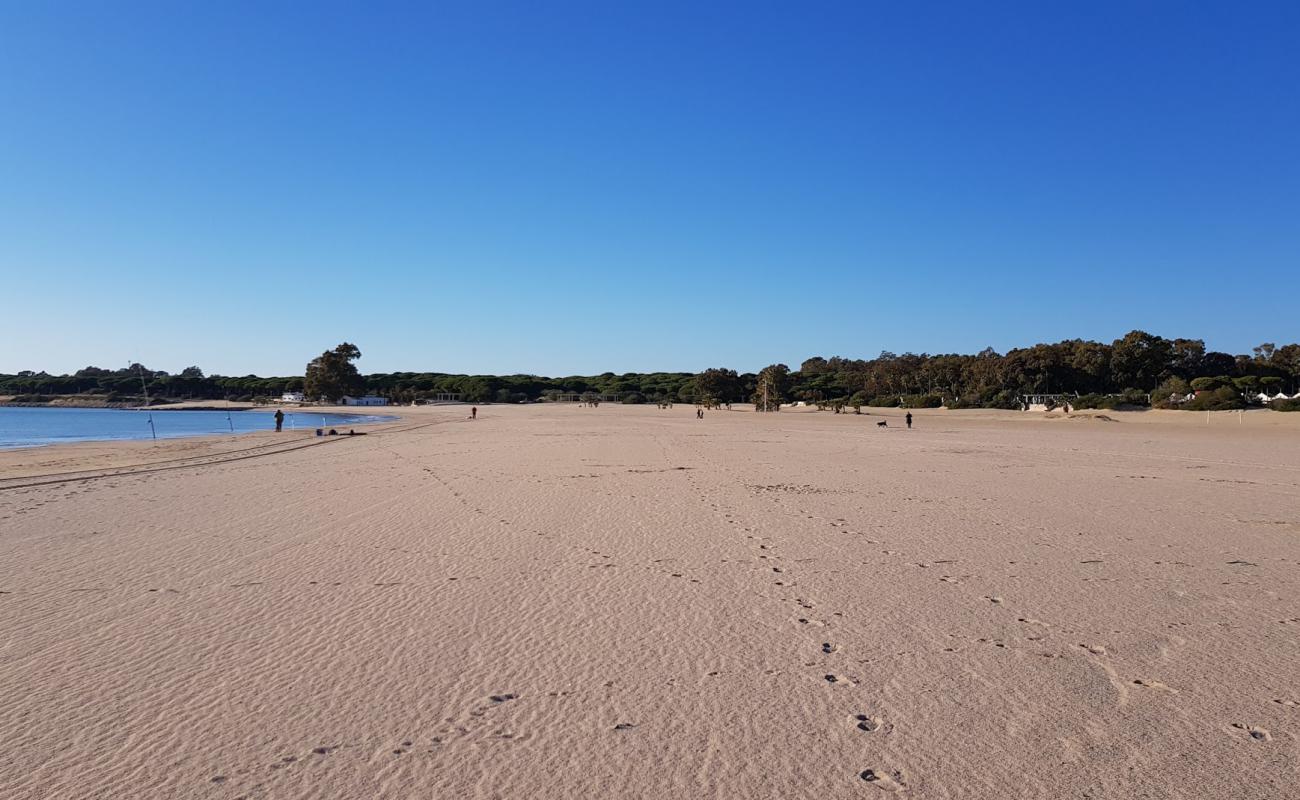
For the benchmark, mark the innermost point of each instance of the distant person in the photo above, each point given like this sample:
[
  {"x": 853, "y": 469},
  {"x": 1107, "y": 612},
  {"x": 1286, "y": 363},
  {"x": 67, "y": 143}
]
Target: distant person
[
  {"x": 909, "y": 420},
  {"x": 279, "y": 420},
  {"x": 473, "y": 412},
  {"x": 1065, "y": 407}
]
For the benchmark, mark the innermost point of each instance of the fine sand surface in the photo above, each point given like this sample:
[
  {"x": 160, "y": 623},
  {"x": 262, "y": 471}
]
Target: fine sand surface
[{"x": 624, "y": 602}]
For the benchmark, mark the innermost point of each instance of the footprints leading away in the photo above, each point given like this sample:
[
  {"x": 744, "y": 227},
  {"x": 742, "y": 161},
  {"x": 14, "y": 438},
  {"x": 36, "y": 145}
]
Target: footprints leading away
[
  {"x": 282, "y": 763},
  {"x": 474, "y": 721}
]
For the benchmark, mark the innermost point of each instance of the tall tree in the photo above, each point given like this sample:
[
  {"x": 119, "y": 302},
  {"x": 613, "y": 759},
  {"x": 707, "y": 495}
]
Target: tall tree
[
  {"x": 332, "y": 374},
  {"x": 1140, "y": 360},
  {"x": 717, "y": 385},
  {"x": 773, "y": 383}
]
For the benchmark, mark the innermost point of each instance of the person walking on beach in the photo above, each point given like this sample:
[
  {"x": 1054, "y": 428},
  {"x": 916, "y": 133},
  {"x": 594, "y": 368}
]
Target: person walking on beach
[
  {"x": 279, "y": 420},
  {"x": 909, "y": 420},
  {"x": 473, "y": 412}
]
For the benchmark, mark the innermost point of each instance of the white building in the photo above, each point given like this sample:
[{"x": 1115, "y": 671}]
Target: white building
[
  {"x": 293, "y": 397},
  {"x": 368, "y": 400}
]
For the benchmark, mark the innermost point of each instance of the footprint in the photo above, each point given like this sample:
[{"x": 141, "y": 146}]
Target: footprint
[
  {"x": 890, "y": 782},
  {"x": 1288, "y": 703},
  {"x": 625, "y": 726},
  {"x": 832, "y": 678},
  {"x": 994, "y": 600},
  {"x": 867, "y": 723},
  {"x": 1258, "y": 734},
  {"x": 501, "y": 698},
  {"x": 827, "y": 647},
  {"x": 1095, "y": 649}
]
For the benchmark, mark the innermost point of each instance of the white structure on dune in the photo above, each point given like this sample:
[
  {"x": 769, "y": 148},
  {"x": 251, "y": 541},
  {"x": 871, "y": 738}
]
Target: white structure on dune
[
  {"x": 367, "y": 400},
  {"x": 293, "y": 397},
  {"x": 1265, "y": 398}
]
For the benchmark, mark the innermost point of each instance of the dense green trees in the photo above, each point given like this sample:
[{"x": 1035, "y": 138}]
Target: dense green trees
[
  {"x": 1123, "y": 371},
  {"x": 717, "y": 386},
  {"x": 771, "y": 388},
  {"x": 332, "y": 374}
]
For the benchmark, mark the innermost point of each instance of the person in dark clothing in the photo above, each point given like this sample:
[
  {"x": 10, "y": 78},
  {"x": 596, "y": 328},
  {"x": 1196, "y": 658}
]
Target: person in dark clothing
[
  {"x": 909, "y": 419},
  {"x": 473, "y": 412},
  {"x": 279, "y": 420}
]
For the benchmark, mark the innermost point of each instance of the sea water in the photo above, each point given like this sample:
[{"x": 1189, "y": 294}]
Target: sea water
[{"x": 32, "y": 427}]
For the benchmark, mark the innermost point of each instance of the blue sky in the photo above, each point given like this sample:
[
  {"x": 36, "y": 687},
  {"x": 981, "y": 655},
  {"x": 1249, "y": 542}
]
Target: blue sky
[{"x": 564, "y": 188}]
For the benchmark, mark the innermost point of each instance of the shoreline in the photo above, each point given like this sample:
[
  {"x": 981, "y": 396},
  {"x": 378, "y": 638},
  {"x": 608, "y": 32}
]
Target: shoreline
[
  {"x": 1220, "y": 423},
  {"x": 335, "y": 411}
]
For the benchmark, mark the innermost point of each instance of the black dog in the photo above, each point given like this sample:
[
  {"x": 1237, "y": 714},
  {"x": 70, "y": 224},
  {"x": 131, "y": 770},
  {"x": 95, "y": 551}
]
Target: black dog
[{"x": 884, "y": 423}]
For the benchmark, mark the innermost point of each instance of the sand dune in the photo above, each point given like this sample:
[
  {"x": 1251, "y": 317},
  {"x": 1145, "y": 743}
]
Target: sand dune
[{"x": 627, "y": 602}]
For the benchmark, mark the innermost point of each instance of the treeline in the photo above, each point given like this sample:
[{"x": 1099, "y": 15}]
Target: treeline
[
  {"x": 1138, "y": 369},
  {"x": 132, "y": 383}
]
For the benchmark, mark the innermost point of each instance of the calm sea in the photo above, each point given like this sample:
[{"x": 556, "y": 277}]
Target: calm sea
[{"x": 32, "y": 427}]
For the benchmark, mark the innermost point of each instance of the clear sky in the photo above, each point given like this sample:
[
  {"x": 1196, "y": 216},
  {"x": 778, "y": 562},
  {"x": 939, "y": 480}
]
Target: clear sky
[{"x": 560, "y": 188}]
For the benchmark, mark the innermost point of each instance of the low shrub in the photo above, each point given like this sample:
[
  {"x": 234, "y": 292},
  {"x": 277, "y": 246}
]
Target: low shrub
[
  {"x": 1285, "y": 405},
  {"x": 1225, "y": 398},
  {"x": 1170, "y": 393},
  {"x": 921, "y": 400},
  {"x": 1097, "y": 401},
  {"x": 1005, "y": 399}
]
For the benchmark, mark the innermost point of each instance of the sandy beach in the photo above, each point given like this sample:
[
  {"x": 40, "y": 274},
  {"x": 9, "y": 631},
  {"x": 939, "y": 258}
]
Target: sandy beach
[{"x": 626, "y": 602}]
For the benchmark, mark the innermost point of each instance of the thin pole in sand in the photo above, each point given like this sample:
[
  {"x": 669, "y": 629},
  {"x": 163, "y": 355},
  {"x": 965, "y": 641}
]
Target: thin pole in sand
[
  {"x": 144, "y": 388},
  {"x": 230, "y": 421}
]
